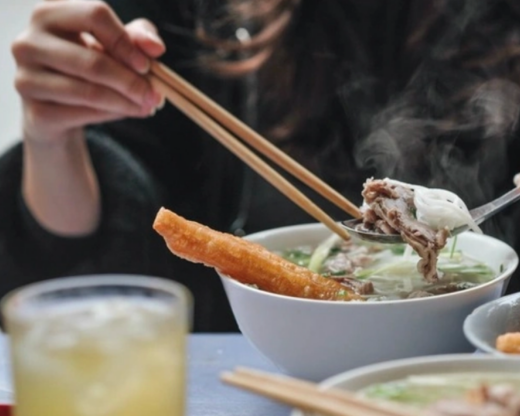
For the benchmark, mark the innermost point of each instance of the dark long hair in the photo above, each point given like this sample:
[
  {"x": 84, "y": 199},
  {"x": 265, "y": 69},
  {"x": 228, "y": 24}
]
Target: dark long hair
[
  {"x": 426, "y": 91},
  {"x": 445, "y": 67}
]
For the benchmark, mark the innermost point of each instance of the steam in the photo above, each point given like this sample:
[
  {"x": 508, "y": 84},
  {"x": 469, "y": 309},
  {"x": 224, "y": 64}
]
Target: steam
[
  {"x": 495, "y": 103},
  {"x": 451, "y": 151},
  {"x": 452, "y": 126}
]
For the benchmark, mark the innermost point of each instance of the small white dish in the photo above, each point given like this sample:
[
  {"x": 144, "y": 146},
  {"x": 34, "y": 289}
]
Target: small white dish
[{"x": 483, "y": 326}]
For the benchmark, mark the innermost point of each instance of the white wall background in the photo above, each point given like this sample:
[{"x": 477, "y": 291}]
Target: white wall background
[{"x": 14, "y": 16}]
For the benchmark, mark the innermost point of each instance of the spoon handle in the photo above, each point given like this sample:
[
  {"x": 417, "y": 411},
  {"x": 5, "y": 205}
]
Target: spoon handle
[{"x": 482, "y": 213}]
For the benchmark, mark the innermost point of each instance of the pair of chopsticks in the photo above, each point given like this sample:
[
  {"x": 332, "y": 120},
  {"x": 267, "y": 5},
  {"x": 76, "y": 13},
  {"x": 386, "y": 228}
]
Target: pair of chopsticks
[
  {"x": 208, "y": 114},
  {"x": 308, "y": 396}
]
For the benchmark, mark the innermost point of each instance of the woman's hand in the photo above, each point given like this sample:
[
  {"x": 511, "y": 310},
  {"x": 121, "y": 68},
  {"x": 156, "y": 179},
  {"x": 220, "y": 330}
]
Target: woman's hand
[{"x": 77, "y": 64}]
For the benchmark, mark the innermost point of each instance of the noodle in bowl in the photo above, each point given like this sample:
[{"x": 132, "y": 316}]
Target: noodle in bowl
[{"x": 316, "y": 339}]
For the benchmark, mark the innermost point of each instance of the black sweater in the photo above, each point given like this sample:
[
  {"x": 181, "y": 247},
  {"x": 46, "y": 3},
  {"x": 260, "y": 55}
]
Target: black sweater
[
  {"x": 143, "y": 165},
  {"x": 162, "y": 161}
]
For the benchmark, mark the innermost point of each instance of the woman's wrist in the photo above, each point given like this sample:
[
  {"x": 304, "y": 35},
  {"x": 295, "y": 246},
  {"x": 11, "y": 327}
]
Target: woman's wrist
[{"x": 60, "y": 186}]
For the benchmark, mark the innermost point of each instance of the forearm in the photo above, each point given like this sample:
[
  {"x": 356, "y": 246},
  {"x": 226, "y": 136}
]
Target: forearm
[{"x": 60, "y": 186}]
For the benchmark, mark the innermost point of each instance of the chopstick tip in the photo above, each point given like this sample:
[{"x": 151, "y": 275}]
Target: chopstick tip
[{"x": 226, "y": 376}]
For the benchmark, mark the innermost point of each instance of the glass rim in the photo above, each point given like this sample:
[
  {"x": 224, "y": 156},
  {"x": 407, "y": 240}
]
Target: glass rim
[{"x": 33, "y": 290}]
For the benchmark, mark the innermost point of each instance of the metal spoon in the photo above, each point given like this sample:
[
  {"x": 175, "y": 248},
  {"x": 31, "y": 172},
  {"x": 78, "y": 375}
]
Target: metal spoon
[{"x": 479, "y": 215}]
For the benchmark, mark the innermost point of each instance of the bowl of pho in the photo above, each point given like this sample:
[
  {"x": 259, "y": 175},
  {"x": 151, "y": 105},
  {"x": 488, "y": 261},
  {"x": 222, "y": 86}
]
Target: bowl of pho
[
  {"x": 451, "y": 385},
  {"x": 393, "y": 311}
]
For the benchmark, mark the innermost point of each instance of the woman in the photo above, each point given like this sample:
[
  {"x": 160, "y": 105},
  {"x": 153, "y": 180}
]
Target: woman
[{"x": 422, "y": 91}]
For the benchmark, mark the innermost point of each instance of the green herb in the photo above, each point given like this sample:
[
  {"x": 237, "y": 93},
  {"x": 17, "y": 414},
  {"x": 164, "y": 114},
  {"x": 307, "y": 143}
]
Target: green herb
[
  {"x": 397, "y": 267},
  {"x": 452, "y": 251},
  {"x": 364, "y": 273},
  {"x": 298, "y": 257},
  {"x": 335, "y": 274},
  {"x": 397, "y": 392},
  {"x": 455, "y": 256},
  {"x": 335, "y": 250},
  {"x": 397, "y": 249},
  {"x": 475, "y": 269}
]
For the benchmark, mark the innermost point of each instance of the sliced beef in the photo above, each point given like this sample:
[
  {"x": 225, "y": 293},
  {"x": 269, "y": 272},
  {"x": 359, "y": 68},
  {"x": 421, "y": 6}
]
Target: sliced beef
[
  {"x": 357, "y": 286},
  {"x": 390, "y": 209},
  {"x": 485, "y": 401},
  {"x": 419, "y": 294}
]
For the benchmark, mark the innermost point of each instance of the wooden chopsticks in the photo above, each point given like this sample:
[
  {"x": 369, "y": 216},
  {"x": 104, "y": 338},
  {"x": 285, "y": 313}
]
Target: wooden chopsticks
[
  {"x": 308, "y": 396},
  {"x": 208, "y": 114}
]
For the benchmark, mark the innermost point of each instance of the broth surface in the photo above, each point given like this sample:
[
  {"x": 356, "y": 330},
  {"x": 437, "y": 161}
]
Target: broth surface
[
  {"x": 423, "y": 390},
  {"x": 389, "y": 272}
]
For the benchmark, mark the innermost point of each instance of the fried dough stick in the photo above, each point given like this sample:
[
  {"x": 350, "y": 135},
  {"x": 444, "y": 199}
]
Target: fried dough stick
[
  {"x": 509, "y": 343},
  {"x": 247, "y": 262}
]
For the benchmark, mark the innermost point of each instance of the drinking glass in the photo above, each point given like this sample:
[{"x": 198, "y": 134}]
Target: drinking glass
[{"x": 106, "y": 345}]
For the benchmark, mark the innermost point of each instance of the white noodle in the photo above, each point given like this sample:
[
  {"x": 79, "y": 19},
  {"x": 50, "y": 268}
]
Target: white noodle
[{"x": 439, "y": 208}]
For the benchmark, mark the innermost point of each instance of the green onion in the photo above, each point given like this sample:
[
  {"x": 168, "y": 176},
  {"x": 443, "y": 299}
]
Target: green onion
[
  {"x": 476, "y": 269},
  {"x": 321, "y": 253},
  {"x": 298, "y": 257},
  {"x": 453, "y": 247},
  {"x": 397, "y": 249}
]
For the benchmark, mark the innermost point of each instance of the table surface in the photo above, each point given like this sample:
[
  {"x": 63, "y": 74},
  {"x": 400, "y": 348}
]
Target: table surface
[{"x": 208, "y": 356}]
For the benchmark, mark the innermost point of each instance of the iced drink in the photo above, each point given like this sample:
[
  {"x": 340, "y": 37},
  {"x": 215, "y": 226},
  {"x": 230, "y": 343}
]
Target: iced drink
[{"x": 104, "y": 352}]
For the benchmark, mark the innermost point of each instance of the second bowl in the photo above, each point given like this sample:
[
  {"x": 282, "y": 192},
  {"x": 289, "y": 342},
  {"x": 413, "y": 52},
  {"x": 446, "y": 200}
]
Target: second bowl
[{"x": 483, "y": 326}]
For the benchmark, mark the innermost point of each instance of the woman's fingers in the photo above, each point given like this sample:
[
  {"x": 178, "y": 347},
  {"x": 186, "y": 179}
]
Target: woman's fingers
[
  {"x": 516, "y": 179},
  {"x": 78, "y": 64},
  {"x": 59, "y": 118},
  {"x": 53, "y": 87},
  {"x": 144, "y": 34},
  {"x": 88, "y": 64},
  {"x": 96, "y": 18}
]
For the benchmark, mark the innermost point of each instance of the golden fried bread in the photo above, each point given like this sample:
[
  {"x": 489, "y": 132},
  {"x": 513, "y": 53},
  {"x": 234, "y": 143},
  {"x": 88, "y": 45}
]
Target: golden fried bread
[{"x": 247, "y": 262}]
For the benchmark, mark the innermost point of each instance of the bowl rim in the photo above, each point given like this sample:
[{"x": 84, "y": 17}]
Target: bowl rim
[
  {"x": 505, "y": 274},
  {"x": 412, "y": 362},
  {"x": 476, "y": 341},
  {"x": 340, "y": 378}
]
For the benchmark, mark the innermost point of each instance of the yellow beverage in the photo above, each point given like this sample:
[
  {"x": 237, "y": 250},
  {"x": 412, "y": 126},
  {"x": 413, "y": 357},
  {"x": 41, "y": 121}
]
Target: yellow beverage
[{"x": 108, "y": 356}]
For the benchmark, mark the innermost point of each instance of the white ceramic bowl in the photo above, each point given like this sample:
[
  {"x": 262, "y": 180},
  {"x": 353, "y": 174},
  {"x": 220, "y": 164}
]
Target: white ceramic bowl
[
  {"x": 361, "y": 378},
  {"x": 487, "y": 322},
  {"x": 316, "y": 339}
]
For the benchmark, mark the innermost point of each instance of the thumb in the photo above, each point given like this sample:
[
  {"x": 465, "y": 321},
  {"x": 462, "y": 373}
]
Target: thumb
[
  {"x": 143, "y": 33},
  {"x": 516, "y": 179}
]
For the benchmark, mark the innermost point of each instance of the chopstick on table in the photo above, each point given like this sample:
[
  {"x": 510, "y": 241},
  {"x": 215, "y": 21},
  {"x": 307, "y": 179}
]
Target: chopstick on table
[
  {"x": 309, "y": 396},
  {"x": 208, "y": 114}
]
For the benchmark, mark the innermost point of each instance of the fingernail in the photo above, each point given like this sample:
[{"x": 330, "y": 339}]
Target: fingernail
[
  {"x": 152, "y": 112},
  {"x": 161, "y": 104},
  {"x": 140, "y": 62},
  {"x": 153, "y": 99},
  {"x": 154, "y": 37},
  {"x": 516, "y": 179}
]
